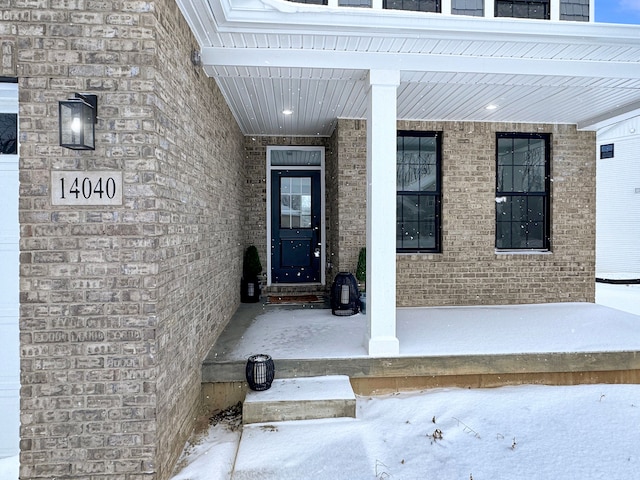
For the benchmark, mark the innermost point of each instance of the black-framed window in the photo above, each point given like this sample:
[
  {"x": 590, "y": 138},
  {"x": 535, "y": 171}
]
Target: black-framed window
[
  {"x": 419, "y": 193},
  {"x": 413, "y": 5},
  {"x": 8, "y": 133},
  {"x": 311, "y": 2},
  {"x": 606, "y": 151},
  {"x": 538, "y": 9},
  {"x": 523, "y": 191}
]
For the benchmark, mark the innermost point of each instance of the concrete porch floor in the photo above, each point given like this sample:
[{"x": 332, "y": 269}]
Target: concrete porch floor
[{"x": 563, "y": 343}]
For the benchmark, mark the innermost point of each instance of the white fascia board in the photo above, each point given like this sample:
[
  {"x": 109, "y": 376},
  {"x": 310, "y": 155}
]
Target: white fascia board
[
  {"x": 415, "y": 62},
  {"x": 611, "y": 117},
  {"x": 281, "y": 16}
]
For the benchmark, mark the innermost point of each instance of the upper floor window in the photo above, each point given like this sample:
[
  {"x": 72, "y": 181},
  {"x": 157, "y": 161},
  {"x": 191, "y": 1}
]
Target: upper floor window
[
  {"x": 419, "y": 197},
  {"x": 414, "y": 5},
  {"x": 355, "y": 3},
  {"x": 523, "y": 9},
  {"x": 522, "y": 191},
  {"x": 312, "y": 2}
]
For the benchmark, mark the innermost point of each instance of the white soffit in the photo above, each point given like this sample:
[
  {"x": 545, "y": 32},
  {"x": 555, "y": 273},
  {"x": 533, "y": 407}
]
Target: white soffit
[{"x": 272, "y": 55}]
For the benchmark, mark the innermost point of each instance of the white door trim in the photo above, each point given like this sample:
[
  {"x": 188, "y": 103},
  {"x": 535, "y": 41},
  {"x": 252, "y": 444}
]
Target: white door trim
[{"x": 321, "y": 169}]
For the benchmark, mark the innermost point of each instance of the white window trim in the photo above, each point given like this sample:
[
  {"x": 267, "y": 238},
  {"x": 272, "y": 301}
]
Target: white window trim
[{"x": 323, "y": 243}]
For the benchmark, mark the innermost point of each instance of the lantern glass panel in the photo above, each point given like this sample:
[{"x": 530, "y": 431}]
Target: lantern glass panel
[{"x": 77, "y": 125}]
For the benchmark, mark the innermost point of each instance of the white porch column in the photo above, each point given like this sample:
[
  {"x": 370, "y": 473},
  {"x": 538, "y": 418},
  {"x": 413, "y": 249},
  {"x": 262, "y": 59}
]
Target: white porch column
[{"x": 381, "y": 213}]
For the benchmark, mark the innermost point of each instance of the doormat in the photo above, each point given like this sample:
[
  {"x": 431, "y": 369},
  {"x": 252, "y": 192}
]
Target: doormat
[{"x": 293, "y": 299}]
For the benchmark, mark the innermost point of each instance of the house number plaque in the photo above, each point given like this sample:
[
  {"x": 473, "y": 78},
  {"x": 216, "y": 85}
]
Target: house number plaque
[{"x": 86, "y": 188}]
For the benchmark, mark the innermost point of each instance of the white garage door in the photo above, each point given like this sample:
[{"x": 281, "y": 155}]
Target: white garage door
[{"x": 9, "y": 276}]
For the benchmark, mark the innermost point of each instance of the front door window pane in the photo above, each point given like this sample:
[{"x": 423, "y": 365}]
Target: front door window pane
[{"x": 295, "y": 202}]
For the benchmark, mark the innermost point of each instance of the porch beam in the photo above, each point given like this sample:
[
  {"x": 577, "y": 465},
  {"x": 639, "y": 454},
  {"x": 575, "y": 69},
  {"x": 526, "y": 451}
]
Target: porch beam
[
  {"x": 414, "y": 62},
  {"x": 381, "y": 212}
]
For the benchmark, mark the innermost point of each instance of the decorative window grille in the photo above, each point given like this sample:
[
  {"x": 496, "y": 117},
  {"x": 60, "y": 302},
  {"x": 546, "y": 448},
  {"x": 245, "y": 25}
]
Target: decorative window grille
[
  {"x": 419, "y": 195},
  {"x": 522, "y": 192},
  {"x": 413, "y": 5},
  {"x": 538, "y": 9}
]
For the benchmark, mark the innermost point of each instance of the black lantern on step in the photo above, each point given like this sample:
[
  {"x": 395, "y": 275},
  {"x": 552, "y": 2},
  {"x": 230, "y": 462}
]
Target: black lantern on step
[
  {"x": 78, "y": 117},
  {"x": 260, "y": 371}
]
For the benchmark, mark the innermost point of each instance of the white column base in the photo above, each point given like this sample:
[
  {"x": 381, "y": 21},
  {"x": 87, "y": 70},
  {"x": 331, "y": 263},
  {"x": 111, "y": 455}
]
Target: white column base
[{"x": 383, "y": 346}]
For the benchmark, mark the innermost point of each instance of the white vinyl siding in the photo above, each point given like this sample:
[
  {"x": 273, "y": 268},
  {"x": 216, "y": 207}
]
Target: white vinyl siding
[{"x": 618, "y": 204}]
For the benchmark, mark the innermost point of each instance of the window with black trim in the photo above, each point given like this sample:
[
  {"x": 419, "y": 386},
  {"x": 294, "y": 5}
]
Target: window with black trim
[
  {"x": 413, "y": 5},
  {"x": 538, "y": 9},
  {"x": 419, "y": 197},
  {"x": 523, "y": 191},
  {"x": 8, "y": 133}
]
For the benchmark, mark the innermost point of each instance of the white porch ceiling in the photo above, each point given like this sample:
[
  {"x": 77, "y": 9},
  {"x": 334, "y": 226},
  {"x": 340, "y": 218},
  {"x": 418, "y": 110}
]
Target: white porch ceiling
[{"x": 272, "y": 55}]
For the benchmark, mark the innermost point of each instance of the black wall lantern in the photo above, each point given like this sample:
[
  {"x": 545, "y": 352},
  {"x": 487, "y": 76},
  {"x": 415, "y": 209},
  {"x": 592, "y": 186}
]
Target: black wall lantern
[{"x": 78, "y": 117}]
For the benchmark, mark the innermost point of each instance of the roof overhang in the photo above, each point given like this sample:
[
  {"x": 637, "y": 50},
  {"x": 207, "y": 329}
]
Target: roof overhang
[{"x": 272, "y": 55}]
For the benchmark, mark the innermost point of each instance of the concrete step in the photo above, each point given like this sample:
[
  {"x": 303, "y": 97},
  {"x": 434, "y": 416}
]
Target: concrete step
[{"x": 301, "y": 399}]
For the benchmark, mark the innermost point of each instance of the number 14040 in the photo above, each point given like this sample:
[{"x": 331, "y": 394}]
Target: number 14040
[{"x": 86, "y": 188}]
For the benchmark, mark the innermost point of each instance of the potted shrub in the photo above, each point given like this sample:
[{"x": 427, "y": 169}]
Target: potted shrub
[
  {"x": 251, "y": 269},
  {"x": 361, "y": 276}
]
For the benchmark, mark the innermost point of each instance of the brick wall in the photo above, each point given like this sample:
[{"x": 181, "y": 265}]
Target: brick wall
[
  {"x": 351, "y": 194},
  {"x": 119, "y": 304},
  {"x": 332, "y": 210},
  {"x": 469, "y": 271},
  {"x": 199, "y": 185}
]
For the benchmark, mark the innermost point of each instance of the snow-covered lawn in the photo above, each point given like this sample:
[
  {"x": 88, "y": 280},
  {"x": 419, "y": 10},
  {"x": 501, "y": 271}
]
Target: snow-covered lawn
[
  {"x": 622, "y": 297},
  {"x": 526, "y": 432}
]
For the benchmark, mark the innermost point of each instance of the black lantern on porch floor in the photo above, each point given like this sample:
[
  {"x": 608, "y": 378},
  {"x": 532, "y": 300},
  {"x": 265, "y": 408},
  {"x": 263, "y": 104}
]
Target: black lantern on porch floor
[
  {"x": 260, "y": 371},
  {"x": 77, "y": 117},
  {"x": 345, "y": 298}
]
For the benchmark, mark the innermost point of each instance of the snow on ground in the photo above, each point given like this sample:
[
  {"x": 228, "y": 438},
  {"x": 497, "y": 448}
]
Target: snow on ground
[
  {"x": 9, "y": 468},
  {"x": 622, "y": 297},
  {"x": 582, "y": 432},
  {"x": 585, "y": 432}
]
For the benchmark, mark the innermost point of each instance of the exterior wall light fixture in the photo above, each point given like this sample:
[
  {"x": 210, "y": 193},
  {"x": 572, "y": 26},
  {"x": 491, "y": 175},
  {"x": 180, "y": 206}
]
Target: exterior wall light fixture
[{"x": 77, "y": 121}]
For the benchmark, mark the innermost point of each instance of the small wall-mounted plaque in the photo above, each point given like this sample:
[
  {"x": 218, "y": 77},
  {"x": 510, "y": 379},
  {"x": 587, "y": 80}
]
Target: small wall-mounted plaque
[
  {"x": 606, "y": 151},
  {"x": 86, "y": 188}
]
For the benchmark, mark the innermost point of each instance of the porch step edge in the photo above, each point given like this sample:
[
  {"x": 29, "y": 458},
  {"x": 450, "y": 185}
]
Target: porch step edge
[{"x": 306, "y": 398}]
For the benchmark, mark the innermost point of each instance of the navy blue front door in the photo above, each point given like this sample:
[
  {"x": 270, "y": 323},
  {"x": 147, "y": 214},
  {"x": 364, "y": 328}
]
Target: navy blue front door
[{"x": 295, "y": 226}]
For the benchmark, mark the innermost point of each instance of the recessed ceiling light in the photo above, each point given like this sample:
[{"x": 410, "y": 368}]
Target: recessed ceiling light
[
  {"x": 287, "y": 112},
  {"x": 491, "y": 106}
]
